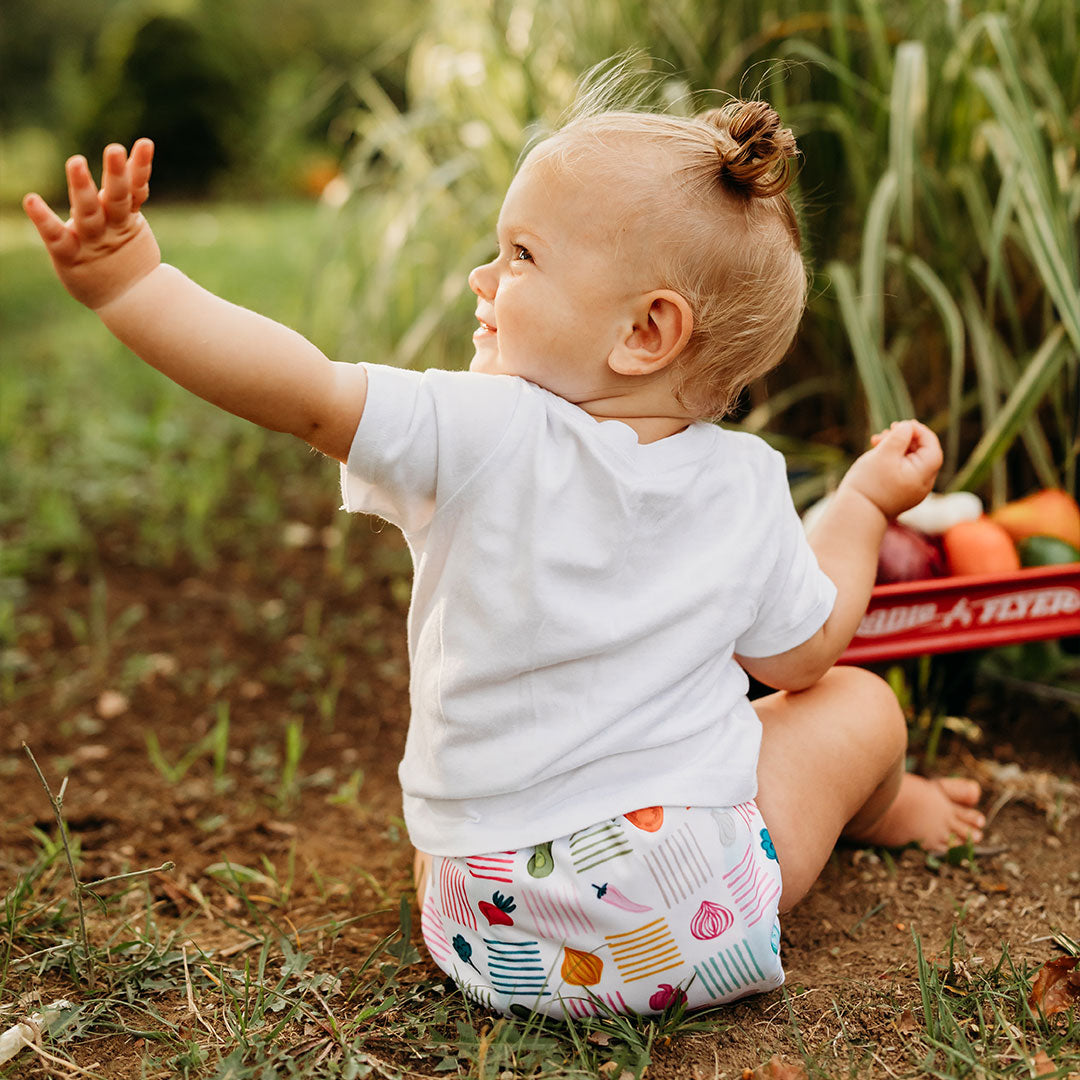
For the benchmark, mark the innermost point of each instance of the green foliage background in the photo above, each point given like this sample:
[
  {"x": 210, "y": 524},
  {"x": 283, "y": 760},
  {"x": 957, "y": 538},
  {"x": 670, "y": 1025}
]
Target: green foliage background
[{"x": 940, "y": 197}]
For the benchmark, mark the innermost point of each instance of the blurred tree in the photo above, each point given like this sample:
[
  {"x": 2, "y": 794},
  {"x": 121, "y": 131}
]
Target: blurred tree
[
  {"x": 193, "y": 94},
  {"x": 247, "y": 91}
]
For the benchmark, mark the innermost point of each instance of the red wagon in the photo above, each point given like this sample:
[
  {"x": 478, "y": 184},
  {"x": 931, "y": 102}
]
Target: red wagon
[{"x": 954, "y": 613}]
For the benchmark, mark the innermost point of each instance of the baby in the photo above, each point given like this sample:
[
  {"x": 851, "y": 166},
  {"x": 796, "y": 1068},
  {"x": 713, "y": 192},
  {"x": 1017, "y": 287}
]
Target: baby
[{"x": 604, "y": 821}]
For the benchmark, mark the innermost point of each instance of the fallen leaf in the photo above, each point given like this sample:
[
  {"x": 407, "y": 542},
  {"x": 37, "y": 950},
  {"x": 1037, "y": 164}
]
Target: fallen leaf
[
  {"x": 598, "y": 1038},
  {"x": 1056, "y": 987},
  {"x": 1042, "y": 1064},
  {"x": 778, "y": 1069},
  {"x": 907, "y": 1022}
]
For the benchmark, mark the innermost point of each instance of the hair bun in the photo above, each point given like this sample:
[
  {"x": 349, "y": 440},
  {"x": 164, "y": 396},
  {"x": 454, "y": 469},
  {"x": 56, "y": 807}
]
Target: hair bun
[{"x": 755, "y": 152}]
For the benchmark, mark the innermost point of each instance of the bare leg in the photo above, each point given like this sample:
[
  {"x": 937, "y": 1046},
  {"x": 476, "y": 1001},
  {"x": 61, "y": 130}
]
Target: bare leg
[
  {"x": 832, "y": 764},
  {"x": 421, "y": 868}
]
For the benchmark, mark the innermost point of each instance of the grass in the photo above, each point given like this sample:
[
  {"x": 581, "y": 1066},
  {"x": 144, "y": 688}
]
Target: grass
[
  {"x": 276, "y": 1007},
  {"x": 90, "y": 436}
]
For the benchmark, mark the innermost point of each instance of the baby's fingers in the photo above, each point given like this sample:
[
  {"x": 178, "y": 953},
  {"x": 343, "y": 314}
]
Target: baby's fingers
[
  {"x": 925, "y": 446},
  {"x": 115, "y": 190},
  {"x": 138, "y": 166},
  {"x": 87, "y": 214},
  {"x": 60, "y": 240}
]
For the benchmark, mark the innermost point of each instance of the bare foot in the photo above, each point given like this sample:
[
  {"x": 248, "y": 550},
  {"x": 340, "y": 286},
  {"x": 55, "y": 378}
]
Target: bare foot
[{"x": 934, "y": 813}]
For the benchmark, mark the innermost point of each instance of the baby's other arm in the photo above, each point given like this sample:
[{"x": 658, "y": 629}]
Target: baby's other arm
[
  {"x": 107, "y": 257},
  {"x": 895, "y": 474}
]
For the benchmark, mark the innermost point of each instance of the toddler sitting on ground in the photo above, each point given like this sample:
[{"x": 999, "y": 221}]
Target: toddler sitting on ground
[{"x": 604, "y": 820}]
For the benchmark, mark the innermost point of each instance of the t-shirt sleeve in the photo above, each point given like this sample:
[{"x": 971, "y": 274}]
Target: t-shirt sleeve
[
  {"x": 797, "y": 596},
  {"x": 422, "y": 436}
]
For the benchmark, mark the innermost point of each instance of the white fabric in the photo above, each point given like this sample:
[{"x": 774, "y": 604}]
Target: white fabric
[{"x": 577, "y": 601}]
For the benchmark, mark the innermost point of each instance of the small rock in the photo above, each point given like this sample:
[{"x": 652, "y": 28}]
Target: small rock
[
  {"x": 297, "y": 534},
  {"x": 90, "y": 752},
  {"x": 111, "y": 704}
]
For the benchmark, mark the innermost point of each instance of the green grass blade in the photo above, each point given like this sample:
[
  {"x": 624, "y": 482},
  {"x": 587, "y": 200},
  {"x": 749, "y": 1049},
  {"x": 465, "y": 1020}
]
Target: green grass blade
[
  {"x": 983, "y": 351},
  {"x": 855, "y": 85},
  {"x": 1039, "y": 375},
  {"x": 877, "y": 34},
  {"x": 1041, "y": 215},
  {"x": 872, "y": 258},
  {"x": 872, "y": 365},
  {"x": 907, "y": 109},
  {"x": 953, "y": 323}
]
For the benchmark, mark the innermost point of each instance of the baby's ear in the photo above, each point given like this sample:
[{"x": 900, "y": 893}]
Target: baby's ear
[{"x": 662, "y": 326}]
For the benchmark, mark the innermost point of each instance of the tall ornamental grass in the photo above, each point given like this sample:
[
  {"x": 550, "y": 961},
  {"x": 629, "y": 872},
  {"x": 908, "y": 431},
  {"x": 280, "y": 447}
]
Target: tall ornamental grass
[{"x": 940, "y": 196}]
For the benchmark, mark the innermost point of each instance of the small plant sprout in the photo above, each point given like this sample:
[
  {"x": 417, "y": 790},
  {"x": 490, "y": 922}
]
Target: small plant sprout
[
  {"x": 289, "y": 783},
  {"x": 57, "y": 803}
]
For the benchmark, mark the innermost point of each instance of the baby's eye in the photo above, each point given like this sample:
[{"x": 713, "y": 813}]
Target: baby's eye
[{"x": 521, "y": 254}]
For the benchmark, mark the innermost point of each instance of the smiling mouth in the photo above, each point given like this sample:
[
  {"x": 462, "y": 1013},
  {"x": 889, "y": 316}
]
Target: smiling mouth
[{"x": 486, "y": 327}]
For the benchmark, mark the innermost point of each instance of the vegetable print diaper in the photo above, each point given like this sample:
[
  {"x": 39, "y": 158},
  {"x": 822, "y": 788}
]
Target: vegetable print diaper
[{"x": 654, "y": 908}]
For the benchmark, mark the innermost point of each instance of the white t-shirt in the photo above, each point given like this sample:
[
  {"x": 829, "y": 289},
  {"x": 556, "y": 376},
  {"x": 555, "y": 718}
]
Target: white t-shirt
[{"x": 577, "y": 601}]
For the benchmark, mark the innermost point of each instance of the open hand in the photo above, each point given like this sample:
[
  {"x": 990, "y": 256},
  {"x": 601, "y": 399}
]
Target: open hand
[
  {"x": 900, "y": 468},
  {"x": 106, "y": 245}
]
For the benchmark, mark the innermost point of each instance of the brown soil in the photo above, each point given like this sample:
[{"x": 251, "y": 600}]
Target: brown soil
[{"x": 269, "y": 638}]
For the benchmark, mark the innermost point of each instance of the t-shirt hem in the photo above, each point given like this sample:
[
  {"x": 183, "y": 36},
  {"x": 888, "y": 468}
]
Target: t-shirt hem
[{"x": 437, "y": 834}]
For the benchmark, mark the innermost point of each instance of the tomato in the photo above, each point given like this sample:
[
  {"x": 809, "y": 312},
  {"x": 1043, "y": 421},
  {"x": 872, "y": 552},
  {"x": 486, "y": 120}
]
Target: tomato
[{"x": 980, "y": 547}]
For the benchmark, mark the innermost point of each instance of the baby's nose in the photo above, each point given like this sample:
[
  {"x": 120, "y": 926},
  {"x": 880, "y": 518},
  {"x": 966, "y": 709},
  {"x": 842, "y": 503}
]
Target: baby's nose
[{"x": 482, "y": 280}]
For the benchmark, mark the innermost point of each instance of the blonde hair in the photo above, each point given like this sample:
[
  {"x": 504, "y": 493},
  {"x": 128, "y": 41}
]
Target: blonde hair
[{"x": 722, "y": 231}]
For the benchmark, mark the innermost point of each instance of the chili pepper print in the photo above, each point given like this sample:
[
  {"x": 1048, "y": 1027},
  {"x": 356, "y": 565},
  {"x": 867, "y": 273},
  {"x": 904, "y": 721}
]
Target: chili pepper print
[
  {"x": 541, "y": 863},
  {"x": 497, "y": 910},
  {"x": 767, "y": 844},
  {"x": 610, "y": 895}
]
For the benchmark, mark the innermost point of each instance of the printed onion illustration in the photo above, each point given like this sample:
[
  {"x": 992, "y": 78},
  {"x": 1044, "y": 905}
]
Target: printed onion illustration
[
  {"x": 581, "y": 968},
  {"x": 710, "y": 921}
]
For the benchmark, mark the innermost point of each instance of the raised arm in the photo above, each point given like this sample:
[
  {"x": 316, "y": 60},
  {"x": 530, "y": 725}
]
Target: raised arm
[
  {"x": 107, "y": 257},
  {"x": 894, "y": 475}
]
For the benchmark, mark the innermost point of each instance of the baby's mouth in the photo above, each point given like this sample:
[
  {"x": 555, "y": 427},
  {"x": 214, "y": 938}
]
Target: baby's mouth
[{"x": 487, "y": 327}]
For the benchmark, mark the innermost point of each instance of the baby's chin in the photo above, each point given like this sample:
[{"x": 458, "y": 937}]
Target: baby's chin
[{"x": 485, "y": 363}]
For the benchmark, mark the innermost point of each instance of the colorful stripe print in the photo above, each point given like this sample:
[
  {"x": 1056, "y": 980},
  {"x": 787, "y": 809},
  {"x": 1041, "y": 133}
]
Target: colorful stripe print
[
  {"x": 492, "y": 867},
  {"x": 598, "y": 844},
  {"x": 434, "y": 936},
  {"x": 645, "y": 951},
  {"x": 559, "y": 916},
  {"x": 516, "y": 967},
  {"x": 754, "y": 890},
  {"x": 455, "y": 898},
  {"x": 596, "y": 1005},
  {"x": 731, "y": 970},
  {"x": 679, "y": 866}
]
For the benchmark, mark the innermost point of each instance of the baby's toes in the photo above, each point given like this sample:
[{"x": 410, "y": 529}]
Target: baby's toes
[
  {"x": 968, "y": 825},
  {"x": 961, "y": 790}
]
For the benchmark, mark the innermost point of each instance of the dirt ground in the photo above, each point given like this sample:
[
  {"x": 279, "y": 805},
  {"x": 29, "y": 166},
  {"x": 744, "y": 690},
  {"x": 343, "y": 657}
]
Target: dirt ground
[{"x": 305, "y": 635}]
